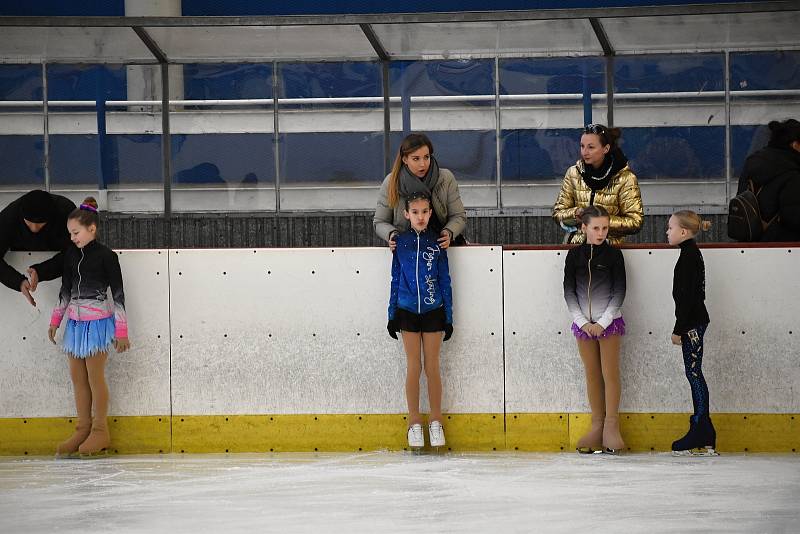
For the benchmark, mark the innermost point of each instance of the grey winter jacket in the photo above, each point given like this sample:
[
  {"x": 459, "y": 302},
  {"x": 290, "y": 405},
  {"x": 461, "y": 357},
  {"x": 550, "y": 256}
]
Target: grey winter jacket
[{"x": 446, "y": 202}]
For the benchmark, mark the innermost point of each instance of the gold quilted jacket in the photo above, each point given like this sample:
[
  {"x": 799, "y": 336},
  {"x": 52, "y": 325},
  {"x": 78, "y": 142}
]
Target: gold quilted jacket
[{"x": 621, "y": 197}]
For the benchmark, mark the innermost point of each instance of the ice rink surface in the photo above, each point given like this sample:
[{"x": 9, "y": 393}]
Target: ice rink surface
[{"x": 401, "y": 492}]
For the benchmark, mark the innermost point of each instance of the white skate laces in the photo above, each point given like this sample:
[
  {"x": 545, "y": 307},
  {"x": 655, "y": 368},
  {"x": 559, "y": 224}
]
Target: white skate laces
[
  {"x": 436, "y": 433},
  {"x": 416, "y": 438}
]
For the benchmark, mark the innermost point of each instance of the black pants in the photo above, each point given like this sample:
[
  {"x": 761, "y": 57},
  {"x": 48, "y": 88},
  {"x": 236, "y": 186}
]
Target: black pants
[{"x": 692, "y": 345}]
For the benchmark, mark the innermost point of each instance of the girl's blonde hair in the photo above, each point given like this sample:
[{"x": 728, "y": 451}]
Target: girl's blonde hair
[
  {"x": 691, "y": 221},
  {"x": 411, "y": 143}
]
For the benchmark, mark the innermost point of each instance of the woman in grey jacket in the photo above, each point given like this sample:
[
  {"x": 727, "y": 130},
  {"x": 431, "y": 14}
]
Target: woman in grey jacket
[{"x": 415, "y": 170}]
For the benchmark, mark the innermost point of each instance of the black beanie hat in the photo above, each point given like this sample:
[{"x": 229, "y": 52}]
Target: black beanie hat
[{"x": 37, "y": 206}]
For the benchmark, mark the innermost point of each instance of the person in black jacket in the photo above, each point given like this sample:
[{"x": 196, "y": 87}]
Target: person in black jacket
[
  {"x": 691, "y": 321},
  {"x": 775, "y": 174},
  {"x": 594, "y": 289},
  {"x": 35, "y": 221}
]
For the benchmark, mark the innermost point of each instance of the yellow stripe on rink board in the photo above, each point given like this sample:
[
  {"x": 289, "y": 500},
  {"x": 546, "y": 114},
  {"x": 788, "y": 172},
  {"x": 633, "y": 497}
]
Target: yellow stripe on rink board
[
  {"x": 546, "y": 432},
  {"x": 757, "y": 432},
  {"x": 40, "y": 435},
  {"x": 280, "y": 433}
]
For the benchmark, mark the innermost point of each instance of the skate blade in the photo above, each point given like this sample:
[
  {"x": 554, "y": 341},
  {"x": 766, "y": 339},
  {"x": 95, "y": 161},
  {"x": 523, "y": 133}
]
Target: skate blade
[
  {"x": 94, "y": 455},
  {"x": 612, "y": 452},
  {"x": 68, "y": 455},
  {"x": 589, "y": 450},
  {"x": 701, "y": 451}
]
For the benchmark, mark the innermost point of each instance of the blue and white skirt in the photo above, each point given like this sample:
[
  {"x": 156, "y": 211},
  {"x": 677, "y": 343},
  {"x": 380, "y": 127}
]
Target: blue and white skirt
[{"x": 84, "y": 339}]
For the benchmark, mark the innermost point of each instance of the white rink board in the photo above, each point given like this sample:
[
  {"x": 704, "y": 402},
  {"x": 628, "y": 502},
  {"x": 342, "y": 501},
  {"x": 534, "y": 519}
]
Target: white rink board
[
  {"x": 290, "y": 331},
  {"x": 290, "y": 341},
  {"x": 34, "y": 373},
  {"x": 754, "y": 291}
]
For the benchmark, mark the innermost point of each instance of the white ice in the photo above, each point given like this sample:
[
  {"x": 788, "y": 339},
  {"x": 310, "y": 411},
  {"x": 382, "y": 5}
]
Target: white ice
[{"x": 401, "y": 492}]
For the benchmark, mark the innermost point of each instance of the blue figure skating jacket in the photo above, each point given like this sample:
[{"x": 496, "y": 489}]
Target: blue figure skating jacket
[{"x": 420, "y": 275}]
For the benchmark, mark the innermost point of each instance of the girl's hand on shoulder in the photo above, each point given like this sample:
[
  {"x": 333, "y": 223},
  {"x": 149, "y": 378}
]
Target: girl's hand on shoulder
[
  {"x": 392, "y": 242},
  {"x": 676, "y": 339},
  {"x": 51, "y": 333},
  {"x": 122, "y": 344}
]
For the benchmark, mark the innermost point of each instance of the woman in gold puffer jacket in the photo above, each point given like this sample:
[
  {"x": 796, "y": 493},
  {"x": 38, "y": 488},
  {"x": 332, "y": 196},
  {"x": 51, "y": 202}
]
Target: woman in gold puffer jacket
[{"x": 601, "y": 178}]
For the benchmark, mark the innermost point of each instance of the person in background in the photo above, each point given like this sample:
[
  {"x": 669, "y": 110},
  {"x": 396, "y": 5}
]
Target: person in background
[
  {"x": 601, "y": 177},
  {"x": 774, "y": 172},
  {"x": 35, "y": 221},
  {"x": 415, "y": 170}
]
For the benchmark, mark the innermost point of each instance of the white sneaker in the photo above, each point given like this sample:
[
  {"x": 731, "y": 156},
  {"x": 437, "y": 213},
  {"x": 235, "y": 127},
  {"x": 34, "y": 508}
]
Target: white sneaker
[
  {"x": 436, "y": 432},
  {"x": 416, "y": 438}
]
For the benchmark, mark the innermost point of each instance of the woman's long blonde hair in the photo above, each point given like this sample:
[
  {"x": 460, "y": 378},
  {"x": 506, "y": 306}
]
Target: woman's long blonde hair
[{"x": 411, "y": 143}]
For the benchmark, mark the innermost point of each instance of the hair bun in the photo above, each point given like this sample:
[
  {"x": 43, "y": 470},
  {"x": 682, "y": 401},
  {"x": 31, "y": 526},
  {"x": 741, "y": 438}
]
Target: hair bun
[{"x": 90, "y": 201}]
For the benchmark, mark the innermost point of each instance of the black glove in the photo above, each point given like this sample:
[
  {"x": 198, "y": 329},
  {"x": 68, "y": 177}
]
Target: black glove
[
  {"x": 391, "y": 326},
  {"x": 448, "y": 331}
]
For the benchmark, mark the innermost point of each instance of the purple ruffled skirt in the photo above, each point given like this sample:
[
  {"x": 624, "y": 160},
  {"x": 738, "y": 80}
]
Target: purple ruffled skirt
[{"x": 617, "y": 327}]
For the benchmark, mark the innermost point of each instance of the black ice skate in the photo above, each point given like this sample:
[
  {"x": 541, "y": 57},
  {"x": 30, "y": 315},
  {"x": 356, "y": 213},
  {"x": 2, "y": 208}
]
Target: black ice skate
[{"x": 701, "y": 440}]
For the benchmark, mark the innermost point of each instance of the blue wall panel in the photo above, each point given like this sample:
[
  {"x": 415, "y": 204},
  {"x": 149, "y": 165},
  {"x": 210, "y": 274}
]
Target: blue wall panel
[
  {"x": 552, "y": 75},
  {"x": 86, "y": 82},
  {"x": 22, "y": 160},
  {"x": 440, "y": 78},
  {"x": 668, "y": 73},
  {"x": 524, "y": 158},
  {"x": 74, "y": 159},
  {"x": 57, "y": 8},
  {"x": 696, "y": 152},
  {"x": 20, "y": 82},
  {"x": 227, "y": 81},
  {"x": 765, "y": 70},
  {"x": 334, "y": 79},
  {"x": 254, "y": 7},
  {"x": 337, "y": 157},
  {"x": 232, "y": 159}
]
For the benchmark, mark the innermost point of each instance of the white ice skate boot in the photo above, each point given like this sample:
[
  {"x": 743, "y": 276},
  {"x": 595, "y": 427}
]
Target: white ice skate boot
[
  {"x": 416, "y": 438},
  {"x": 436, "y": 432}
]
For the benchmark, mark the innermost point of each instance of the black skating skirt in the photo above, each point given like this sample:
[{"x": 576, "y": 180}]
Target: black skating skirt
[{"x": 432, "y": 321}]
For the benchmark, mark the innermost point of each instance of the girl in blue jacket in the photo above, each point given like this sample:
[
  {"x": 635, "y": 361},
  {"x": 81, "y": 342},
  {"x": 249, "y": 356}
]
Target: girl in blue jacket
[{"x": 421, "y": 308}]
